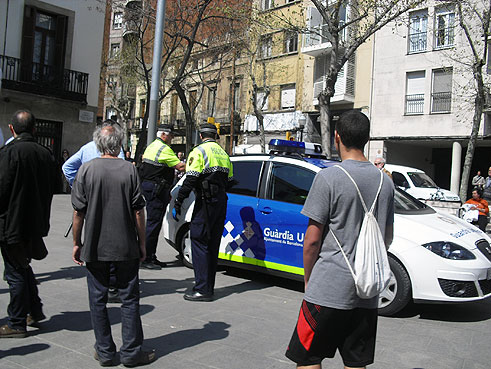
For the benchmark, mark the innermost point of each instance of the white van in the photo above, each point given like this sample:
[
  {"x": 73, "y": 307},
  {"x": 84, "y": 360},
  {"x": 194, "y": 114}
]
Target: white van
[{"x": 418, "y": 184}]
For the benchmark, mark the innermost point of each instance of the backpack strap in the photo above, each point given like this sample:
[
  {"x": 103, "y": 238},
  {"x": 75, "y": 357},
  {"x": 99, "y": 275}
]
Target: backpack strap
[
  {"x": 344, "y": 254},
  {"x": 358, "y": 190}
]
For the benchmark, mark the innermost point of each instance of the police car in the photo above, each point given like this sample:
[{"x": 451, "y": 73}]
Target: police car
[{"x": 434, "y": 256}]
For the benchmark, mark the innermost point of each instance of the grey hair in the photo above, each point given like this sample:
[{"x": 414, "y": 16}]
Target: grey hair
[{"x": 110, "y": 141}]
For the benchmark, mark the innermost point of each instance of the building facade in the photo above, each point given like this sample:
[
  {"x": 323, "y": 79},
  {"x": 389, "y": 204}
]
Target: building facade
[
  {"x": 423, "y": 94},
  {"x": 50, "y": 57}
]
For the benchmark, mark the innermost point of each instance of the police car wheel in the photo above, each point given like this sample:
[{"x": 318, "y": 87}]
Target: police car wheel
[
  {"x": 398, "y": 293},
  {"x": 184, "y": 242}
]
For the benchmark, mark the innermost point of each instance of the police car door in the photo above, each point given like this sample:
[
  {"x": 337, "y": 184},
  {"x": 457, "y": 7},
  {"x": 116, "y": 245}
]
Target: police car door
[
  {"x": 279, "y": 215},
  {"x": 242, "y": 239}
]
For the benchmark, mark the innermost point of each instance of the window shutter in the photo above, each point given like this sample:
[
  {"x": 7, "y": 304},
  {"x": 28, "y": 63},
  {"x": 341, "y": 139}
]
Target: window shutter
[
  {"x": 288, "y": 98},
  {"x": 415, "y": 83},
  {"x": 27, "y": 42},
  {"x": 442, "y": 81},
  {"x": 61, "y": 25}
]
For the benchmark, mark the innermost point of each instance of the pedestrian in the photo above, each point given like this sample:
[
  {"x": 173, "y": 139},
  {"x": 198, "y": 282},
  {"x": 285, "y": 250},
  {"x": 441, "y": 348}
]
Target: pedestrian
[
  {"x": 177, "y": 173},
  {"x": 209, "y": 173},
  {"x": 380, "y": 164},
  {"x": 478, "y": 180},
  {"x": 106, "y": 197},
  {"x": 157, "y": 176},
  {"x": 70, "y": 168},
  {"x": 27, "y": 181},
  {"x": 486, "y": 195},
  {"x": 65, "y": 155},
  {"x": 482, "y": 206},
  {"x": 86, "y": 153},
  {"x": 332, "y": 316}
]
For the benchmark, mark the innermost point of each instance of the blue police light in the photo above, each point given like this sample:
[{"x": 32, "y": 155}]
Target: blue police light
[{"x": 287, "y": 146}]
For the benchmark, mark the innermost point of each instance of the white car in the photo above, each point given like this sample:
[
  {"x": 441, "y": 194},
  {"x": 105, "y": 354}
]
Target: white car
[
  {"x": 418, "y": 184},
  {"x": 434, "y": 256}
]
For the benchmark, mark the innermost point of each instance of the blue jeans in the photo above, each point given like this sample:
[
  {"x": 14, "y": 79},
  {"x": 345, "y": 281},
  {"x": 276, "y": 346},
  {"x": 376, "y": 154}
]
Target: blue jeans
[
  {"x": 24, "y": 298},
  {"x": 127, "y": 282},
  {"x": 155, "y": 214}
]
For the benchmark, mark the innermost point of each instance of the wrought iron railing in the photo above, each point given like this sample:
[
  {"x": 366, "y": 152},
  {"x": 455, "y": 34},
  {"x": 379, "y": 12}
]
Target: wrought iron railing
[
  {"x": 444, "y": 37},
  {"x": 441, "y": 102},
  {"x": 417, "y": 42},
  {"x": 42, "y": 79},
  {"x": 415, "y": 104}
]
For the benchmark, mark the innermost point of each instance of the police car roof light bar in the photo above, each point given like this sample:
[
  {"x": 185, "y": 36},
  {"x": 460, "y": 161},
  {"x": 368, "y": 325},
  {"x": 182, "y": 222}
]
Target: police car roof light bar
[{"x": 295, "y": 147}]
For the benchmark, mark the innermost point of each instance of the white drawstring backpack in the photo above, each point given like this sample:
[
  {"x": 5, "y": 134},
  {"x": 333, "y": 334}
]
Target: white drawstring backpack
[{"x": 371, "y": 271}]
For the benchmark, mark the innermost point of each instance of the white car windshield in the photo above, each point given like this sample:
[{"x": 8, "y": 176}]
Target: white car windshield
[{"x": 421, "y": 180}]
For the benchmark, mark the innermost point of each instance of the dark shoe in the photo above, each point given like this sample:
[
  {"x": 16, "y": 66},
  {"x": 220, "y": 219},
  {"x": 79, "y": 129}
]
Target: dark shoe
[
  {"x": 7, "y": 332},
  {"x": 159, "y": 263},
  {"x": 150, "y": 265},
  {"x": 198, "y": 296},
  {"x": 33, "y": 321},
  {"x": 113, "y": 296},
  {"x": 146, "y": 357},
  {"x": 104, "y": 362}
]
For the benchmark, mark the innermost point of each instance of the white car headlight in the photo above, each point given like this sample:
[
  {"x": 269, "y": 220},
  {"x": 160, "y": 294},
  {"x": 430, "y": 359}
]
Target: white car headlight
[{"x": 449, "y": 250}]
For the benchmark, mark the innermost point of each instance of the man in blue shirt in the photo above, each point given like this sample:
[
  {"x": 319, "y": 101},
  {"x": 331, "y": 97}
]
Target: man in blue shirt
[{"x": 86, "y": 153}]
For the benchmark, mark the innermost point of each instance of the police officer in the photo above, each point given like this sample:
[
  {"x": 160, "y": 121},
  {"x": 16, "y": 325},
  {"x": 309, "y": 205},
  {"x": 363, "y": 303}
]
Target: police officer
[
  {"x": 208, "y": 172},
  {"x": 157, "y": 176}
]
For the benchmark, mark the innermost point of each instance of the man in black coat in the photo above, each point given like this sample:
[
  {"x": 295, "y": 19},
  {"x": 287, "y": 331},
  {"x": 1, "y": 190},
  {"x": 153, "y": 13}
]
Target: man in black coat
[{"x": 27, "y": 175}]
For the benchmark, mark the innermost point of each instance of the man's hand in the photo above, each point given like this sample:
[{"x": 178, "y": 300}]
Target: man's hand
[
  {"x": 177, "y": 209},
  {"x": 143, "y": 252},
  {"x": 76, "y": 255}
]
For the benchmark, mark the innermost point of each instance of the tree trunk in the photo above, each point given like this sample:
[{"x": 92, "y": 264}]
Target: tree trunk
[
  {"x": 325, "y": 122},
  {"x": 471, "y": 146},
  {"x": 262, "y": 140}
]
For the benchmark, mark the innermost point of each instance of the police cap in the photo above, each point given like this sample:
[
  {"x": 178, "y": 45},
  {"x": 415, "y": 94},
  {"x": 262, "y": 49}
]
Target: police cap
[
  {"x": 166, "y": 128},
  {"x": 208, "y": 127}
]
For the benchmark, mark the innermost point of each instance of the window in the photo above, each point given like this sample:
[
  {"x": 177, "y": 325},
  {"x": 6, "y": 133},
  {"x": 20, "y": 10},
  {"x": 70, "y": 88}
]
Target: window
[
  {"x": 266, "y": 46},
  {"x": 418, "y": 24},
  {"x": 444, "y": 27},
  {"x": 400, "y": 180},
  {"x": 288, "y": 97},
  {"x": 415, "y": 92},
  {"x": 143, "y": 104},
  {"x": 441, "y": 95},
  {"x": 236, "y": 95},
  {"x": 291, "y": 42},
  {"x": 112, "y": 81},
  {"x": 267, "y": 4},
  {"x": 111, "y": 112},
  {"x": 247, "y": 174},
  {"x": 115, "y": 50},
  {"x": 260, "y": 100},
  {"x": 118, "y": 20},
  {"x": 173, "y": 108},
  {"x": 212, "y": 94},
  {"x": 290, "y": 183}
]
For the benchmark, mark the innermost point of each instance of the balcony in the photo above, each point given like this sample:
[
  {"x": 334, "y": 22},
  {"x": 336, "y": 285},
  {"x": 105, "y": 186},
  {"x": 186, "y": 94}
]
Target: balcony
[
  {"x": 344, "y": 89},
  {"x": 130, "y": 28},
  {"x": 316, "y": 41},
  {"x": 132, "y": 4},
  {"x": 42, "y": 79},
  {"x": 415, "y": 104},
  {"x": 441, "y": 102}
]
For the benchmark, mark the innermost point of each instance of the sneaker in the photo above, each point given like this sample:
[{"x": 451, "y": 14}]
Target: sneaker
[
  {"x": 150, "y": 265},
  {"x": 33, "y": 321},
  {"x": 104, "y": 362},
  {"x": 7, "y": 332},
  {"x": 159, "y": 263},
  {"x": 146, "y": 357}
]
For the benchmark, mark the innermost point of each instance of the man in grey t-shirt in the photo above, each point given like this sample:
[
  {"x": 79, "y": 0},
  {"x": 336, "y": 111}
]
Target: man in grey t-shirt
[
  {"x": 106, "y": 197},
  {"x": 332, "y": 316}
]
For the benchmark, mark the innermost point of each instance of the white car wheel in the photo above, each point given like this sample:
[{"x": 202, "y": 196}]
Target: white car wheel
[
  {"x": 185, "y": 247},
  {"x": 398, "y": 293}
]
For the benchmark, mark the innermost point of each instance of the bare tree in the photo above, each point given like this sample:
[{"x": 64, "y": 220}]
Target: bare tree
[
  {"x": 474, "y": 17},
  {"x": 346, "y": 34}
]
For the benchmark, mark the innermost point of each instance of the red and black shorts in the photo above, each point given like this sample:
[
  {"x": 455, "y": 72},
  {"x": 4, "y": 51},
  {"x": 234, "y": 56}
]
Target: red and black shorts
[{"x": 322, "y": 330}]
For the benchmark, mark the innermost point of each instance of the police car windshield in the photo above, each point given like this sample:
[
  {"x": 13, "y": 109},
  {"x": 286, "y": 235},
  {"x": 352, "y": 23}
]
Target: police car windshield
[{"x": 404, "y": 203}]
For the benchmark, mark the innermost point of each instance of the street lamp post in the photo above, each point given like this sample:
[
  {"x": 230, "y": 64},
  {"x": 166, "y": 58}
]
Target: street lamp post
[
  {"x": 155, "y": 86},
  {"x": 301, "y": 125}
]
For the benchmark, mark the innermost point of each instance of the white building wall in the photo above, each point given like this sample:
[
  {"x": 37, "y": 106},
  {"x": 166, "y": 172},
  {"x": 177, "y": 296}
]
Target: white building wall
[{"x": 85, "y": 30}]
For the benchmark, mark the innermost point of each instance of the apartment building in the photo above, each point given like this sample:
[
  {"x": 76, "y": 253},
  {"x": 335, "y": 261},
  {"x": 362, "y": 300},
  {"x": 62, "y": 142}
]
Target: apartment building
[
  {"x": 422, "y": 98},
  {"x": 50, "y": 55}
]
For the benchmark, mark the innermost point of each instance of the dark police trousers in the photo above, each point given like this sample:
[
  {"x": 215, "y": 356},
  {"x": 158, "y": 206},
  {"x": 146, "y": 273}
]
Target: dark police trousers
[
  {"x": 155, "y": 214},
  {"x": 206, "y": 233},
  {"x": 126, "y": 275},
  {"x": 24, "y": 298}
]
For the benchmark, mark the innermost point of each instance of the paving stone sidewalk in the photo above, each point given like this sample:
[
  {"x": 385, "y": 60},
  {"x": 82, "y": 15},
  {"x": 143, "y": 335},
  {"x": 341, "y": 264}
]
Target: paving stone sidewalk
[{"x": 247, "y": 326}]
